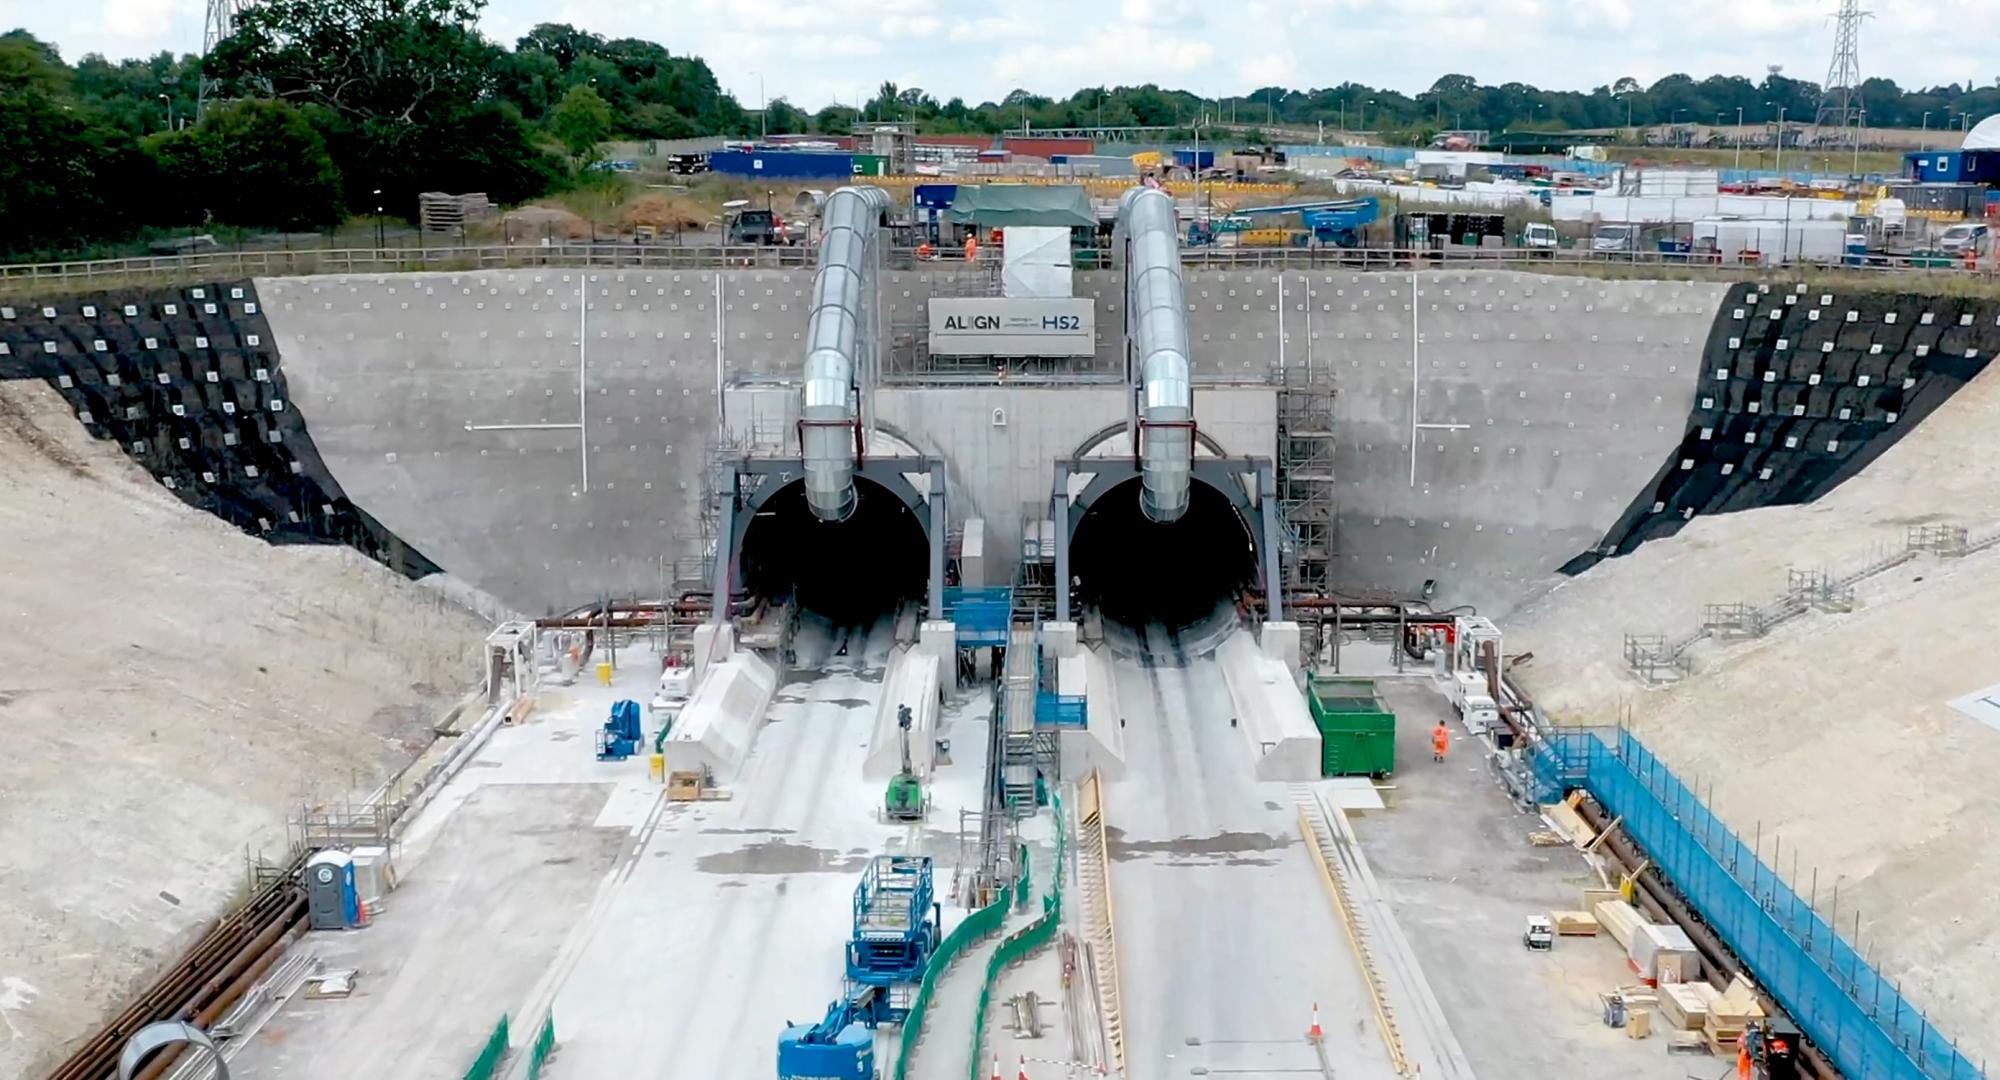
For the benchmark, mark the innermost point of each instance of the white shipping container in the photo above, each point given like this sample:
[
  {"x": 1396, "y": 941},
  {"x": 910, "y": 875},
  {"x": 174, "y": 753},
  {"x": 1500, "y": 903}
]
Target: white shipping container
[{"x": 1808, "y": 241}]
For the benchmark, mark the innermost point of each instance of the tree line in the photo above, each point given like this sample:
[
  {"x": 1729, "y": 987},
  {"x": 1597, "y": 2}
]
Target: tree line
[{"x": 314, "y": 111}]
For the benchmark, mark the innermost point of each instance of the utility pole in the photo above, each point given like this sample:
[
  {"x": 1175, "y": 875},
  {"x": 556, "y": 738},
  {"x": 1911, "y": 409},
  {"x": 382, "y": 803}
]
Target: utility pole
[
  {"x": 1840, "y": 102},
  {"x": 1926, "y": 145},
  {"x": 1739, "y": 138}
]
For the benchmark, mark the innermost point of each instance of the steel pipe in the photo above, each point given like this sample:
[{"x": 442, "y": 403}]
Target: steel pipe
[
  {"x": 1156, "y": 312},
  {"x": 829, "y": 427}
]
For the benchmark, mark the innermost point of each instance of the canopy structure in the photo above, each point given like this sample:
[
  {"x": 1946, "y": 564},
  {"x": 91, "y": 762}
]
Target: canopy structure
[
  {"x": 1005, "y": 206},
  {"x": 1985, "y": 135}
]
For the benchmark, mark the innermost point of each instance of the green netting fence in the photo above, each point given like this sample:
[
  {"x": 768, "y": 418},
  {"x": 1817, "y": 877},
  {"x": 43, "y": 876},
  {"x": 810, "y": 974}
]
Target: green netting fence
[
  {"x": 972, "y": 928},
  {"x": 545, "y": 1042},
  {"x": 1025, "y": 940},
  {"x": 487, "y": 1064}
]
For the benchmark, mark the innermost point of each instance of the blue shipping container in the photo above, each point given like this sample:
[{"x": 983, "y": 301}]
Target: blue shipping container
[
  {"x": 782, "y": 164},
  {"x": 1186, "y": 159},
  {"x": 1954, "y": 166}
]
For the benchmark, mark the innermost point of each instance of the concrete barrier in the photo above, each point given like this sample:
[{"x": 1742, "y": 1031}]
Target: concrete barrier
[
  {"x": 1101, "y": 743},
  {"x": 720, "y": 723},
  {"x": 912, "y": 680},
  {"x": 1271, "y": 711}
]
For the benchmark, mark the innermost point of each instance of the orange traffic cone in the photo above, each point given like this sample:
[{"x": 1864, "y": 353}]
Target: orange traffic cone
[
  {"x": 1315, "y": 1032},
  {"x": 996, "y": 1068},
  {"x": 1023, "y": 1074}
]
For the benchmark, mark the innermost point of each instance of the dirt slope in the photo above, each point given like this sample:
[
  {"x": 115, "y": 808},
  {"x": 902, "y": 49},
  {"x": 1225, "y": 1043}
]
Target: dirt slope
[{"x": 169, "y": 688}]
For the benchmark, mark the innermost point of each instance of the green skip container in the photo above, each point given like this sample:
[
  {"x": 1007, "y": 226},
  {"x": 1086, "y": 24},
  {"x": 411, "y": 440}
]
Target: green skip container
[{"x": 1357, "y": 732}]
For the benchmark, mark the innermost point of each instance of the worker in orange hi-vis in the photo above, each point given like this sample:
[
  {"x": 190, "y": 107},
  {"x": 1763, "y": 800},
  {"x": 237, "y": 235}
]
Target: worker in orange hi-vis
[
  {"x": 1440, "y": 741},
  {"x": 972, "y": 247},
  {"x": 1744, "y": 1069},
  {"x": 924, "y": 251}
]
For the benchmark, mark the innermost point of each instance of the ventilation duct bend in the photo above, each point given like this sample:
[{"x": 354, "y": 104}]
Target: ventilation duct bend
[
  {"x": 828, "y": 428},
  {"x": 1156, "y": 306}
]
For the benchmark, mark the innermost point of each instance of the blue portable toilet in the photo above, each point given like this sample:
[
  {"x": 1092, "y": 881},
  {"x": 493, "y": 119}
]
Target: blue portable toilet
[{"x": 332, "y": 901}]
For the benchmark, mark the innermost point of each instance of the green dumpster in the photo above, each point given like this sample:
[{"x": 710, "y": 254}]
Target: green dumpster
[{"x": 1357, "y": 732}]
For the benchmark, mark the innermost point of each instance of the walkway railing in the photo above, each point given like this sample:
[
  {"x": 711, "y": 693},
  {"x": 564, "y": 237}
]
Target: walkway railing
[
  {"x": 1858, "y": 1018},
  {"x": 20, "y": 278},
  {"x": 971, "y": 929},
  {"x": 1024, "y": 941}
]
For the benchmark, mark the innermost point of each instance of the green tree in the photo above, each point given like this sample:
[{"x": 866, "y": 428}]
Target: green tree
[
  {"x": 251, "y": 163},
  {"x": 580, "y": 121},
  {"x": 66, "y": 175},
  {"x": 781, "y": 117},
  {"x": 835, "y": 120}
]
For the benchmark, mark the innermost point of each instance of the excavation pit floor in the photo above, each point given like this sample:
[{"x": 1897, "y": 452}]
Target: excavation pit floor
[
  {"x": 1453, "y": 856},
  {"x": 670, "y": 939}
]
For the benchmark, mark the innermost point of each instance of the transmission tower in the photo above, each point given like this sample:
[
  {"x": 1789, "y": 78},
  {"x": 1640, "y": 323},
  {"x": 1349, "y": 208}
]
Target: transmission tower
[
  {"x": 1840, "y": 100},
  {"x": 221, "y": 22}
]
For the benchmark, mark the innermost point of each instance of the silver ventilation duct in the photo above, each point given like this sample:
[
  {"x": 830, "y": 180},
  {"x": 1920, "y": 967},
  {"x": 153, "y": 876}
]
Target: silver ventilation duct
[
  {"x": 1157, "y": 312},
  {"x": 829, "y": 429}
]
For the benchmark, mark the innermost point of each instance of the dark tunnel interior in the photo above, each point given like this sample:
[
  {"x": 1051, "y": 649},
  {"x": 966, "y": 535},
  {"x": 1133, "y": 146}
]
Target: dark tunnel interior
[
  {"x": 850, "y": 572},
  {"x": 1184, "y": 576}
]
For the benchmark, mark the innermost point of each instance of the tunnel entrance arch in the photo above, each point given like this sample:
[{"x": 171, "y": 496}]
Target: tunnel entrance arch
[
  {"x": 888, "y": 551},
  {"x": 1184, "y": 577}
]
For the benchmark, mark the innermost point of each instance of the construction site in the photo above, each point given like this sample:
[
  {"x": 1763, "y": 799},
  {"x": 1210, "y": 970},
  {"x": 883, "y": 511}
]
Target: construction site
[{"x": 1019, "y": 667}]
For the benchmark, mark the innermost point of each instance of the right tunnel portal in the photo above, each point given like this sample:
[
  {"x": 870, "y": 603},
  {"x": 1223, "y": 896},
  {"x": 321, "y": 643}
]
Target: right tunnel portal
[{"x": 1184, "y": 578}]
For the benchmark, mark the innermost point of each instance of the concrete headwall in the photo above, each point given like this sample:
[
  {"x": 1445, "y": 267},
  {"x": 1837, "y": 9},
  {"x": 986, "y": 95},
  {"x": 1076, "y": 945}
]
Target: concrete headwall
[
  {"x": 1489, "y": 425},
  {"x": 540, "y": 433}
]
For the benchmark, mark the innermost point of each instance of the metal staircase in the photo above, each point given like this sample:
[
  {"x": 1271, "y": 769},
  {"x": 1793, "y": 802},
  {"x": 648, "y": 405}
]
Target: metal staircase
[{"x": 1305, "y": 472}]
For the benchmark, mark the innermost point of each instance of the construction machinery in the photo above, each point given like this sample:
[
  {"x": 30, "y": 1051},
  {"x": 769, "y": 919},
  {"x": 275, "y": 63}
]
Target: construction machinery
[
  {"x": 1331, "y": 223},
  {"x": 1539, "y": 935},
  {"x": 904, "y": 799},
  {"x": 676, "y": 684},
  {"x": 897, "y": 923},
  {"x": 622, "y": 733}
]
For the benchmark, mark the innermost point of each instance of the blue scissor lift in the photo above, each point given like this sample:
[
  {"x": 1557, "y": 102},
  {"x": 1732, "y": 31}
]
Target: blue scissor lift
[{"x": 896, "y": 929}]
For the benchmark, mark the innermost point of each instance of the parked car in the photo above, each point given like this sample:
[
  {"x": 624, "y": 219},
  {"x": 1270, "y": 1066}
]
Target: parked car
[
  {"x": 1540, "y": 237},
  {"x": 1967, "y": 237},
  {"x": 763, "y": 228},
  {"x": 1616, "y": 239}
]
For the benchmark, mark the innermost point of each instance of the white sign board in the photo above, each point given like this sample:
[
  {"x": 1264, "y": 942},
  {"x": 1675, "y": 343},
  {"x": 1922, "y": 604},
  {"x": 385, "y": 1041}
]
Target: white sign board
[
  {"x": 1009, "y": 326},
  {"x": 1981, "y": 705}
]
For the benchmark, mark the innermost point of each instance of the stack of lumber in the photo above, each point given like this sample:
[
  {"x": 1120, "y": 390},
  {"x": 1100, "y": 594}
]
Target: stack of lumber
[
  {"x": 1684, "y": 1006},
  {"x": 1619, "y": 919},
  {"x": 1574, "y": 923},
  {"x": 1729, "y": 1013},
  {"x": 1564, "y": 819}
]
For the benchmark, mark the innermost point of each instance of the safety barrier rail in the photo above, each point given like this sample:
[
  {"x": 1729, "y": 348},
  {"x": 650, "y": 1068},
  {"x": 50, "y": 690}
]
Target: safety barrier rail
[
  {"x": 982, "y": 615},
  {"x": 545, "y": 1044},
  {"x": 1100, "y": 920},
  {"x": 972, "y": 928},
  {"x": 1857, "y": 1017},
  {"x": 17, "y": 278},
  {"x": 487, "y": 1064},
  {"x": 1026, "y": 940}
]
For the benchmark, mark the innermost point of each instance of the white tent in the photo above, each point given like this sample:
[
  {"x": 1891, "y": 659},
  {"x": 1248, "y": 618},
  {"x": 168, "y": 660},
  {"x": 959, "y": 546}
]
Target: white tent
[{"x": 1985, "y": 135}]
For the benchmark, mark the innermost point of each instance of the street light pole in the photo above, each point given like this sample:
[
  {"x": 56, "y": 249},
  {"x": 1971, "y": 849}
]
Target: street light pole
[
  {"x": 1926, "y": 136},
  {"x": 1779, "y": 165},
  {"x": 1861, "y": 120},
  {"x": 1739, "y": 139},
  {"x": 170, "y": 111},
  {"x": 379, "y": 245},
  {"x": 763, "y": 111}
]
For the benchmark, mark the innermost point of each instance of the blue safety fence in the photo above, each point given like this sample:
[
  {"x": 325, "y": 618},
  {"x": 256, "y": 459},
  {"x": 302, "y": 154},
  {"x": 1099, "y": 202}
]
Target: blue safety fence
[
  {"x": 1854, "y": 1014},
  {"x": 982, "y": 615}
]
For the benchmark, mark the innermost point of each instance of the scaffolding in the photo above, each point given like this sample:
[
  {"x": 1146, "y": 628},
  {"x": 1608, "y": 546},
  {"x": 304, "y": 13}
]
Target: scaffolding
[{"x": 1305, "y": 474}]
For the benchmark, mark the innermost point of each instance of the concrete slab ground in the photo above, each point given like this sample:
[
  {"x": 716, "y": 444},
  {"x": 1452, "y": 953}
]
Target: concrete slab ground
[
  {"x": 669, "y": 939},
  {"x": 1226, "y": 934},
  {"x": 1453, "y": 856}
]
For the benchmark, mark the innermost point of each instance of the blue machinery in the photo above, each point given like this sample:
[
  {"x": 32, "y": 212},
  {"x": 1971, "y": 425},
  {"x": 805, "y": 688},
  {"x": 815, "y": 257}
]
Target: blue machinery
[
  {"x": 621, "y": 735},
  {"x": 896, "y": 929},
  {"x": 1336, "y": 223}
]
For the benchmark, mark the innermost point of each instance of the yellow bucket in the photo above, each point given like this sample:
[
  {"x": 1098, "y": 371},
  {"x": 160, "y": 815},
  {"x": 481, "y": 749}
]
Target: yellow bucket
[
  {"x": 656, "y": 766},
  {"x": 603, "y": 674}
]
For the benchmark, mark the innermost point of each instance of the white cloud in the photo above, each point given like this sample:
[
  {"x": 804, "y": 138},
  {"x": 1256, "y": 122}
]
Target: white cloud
[{"x": 814, "y": 52}]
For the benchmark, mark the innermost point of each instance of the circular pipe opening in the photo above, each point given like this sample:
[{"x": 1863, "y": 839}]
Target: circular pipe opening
[
  {"x": 852, "y": 572},
  {"x": 1178, "y": 581}
]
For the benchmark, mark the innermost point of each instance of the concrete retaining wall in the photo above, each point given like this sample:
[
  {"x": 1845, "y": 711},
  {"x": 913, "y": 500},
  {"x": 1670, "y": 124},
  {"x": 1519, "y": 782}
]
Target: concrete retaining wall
[
  {"x": 1271, "y": 710},
  {"x": 911, "y": 680},
  {"x": 720, "y": 723}
]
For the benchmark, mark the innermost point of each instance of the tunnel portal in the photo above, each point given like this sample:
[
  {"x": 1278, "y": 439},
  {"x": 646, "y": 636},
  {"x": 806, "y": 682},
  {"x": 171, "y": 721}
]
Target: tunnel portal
[
  {"x": 1184, "y": 576},
  {"x": 850, "y": 572}
]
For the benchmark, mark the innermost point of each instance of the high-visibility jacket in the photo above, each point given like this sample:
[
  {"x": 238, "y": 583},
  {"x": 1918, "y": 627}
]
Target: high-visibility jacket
[{"x": 1440, "y": 739}]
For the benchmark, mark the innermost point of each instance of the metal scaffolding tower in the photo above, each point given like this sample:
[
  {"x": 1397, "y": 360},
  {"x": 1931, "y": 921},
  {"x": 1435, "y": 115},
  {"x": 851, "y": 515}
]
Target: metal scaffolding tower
[
  {"x": 1840, "y": 103},
  {"x": 1305, "y": 472}
]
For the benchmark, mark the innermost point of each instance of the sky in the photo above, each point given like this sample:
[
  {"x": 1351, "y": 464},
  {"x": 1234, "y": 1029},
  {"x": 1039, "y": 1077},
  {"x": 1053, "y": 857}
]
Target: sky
[{"x": 813, "y": 52}]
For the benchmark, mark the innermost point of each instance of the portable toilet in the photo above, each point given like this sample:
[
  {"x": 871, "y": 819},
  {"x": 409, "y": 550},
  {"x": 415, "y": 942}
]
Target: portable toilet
[{"x": 332, "y": 903}]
